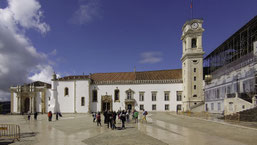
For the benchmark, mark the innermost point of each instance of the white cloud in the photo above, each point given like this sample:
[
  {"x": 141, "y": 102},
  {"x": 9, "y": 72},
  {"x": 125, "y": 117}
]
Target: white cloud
[
  {"x": 44, "y": 73},
  {"x": 87, "y": 11},
  {"x": 151, "y": 57},
  {"x": 18, "y": 56},
  {"x": 27, "y": 14}
]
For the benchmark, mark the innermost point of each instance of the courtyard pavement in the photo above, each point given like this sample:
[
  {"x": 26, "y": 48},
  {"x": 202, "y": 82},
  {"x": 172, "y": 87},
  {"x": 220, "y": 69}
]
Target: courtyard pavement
[{"x": 161, "y": 129}]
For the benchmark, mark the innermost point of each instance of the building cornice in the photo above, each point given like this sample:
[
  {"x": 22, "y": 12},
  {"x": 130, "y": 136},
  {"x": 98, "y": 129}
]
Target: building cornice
[{"x": 125, "y": 82}]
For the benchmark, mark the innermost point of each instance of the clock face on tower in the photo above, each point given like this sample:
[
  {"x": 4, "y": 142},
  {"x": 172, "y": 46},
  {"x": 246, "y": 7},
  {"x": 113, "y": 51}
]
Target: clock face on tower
[{"x": 194, "y": 25}]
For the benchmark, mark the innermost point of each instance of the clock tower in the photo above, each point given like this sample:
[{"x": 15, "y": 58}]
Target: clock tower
[{"x": 192, "y": 66}]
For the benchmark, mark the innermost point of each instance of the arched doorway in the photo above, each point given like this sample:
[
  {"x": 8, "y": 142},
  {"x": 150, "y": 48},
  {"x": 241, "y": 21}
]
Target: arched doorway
[{"x": 26, "y": 105}]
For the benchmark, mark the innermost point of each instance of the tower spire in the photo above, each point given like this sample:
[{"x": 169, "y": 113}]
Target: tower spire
[{"x": 191, "y": 7}]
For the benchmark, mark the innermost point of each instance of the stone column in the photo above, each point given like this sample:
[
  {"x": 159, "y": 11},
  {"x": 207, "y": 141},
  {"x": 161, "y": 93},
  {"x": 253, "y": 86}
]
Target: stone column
[
  {"x": 18, "y": 103},
  {"x": 30, "y": 104},
  {"x": 18, "y": 106},
  {"x": 12, "y": 102},
  {"x": 43, "y": 101}
]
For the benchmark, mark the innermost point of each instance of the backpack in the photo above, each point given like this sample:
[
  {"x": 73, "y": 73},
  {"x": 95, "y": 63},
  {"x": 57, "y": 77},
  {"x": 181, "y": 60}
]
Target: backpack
[{"x": 145, "y": 113}]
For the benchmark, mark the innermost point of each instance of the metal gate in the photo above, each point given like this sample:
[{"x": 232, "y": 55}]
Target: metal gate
[{"x": 10, "y": 131}]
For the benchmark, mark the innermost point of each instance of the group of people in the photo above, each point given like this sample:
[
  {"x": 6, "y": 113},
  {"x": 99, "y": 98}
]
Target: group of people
[
  {"x": 35, "y": 115},
  {"x": 50, "y": 115},
  {"x": 111, "y": 116}
]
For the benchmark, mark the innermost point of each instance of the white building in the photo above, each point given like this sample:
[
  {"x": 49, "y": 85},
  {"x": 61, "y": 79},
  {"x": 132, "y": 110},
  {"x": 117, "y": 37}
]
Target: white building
[{"x": 149, "y": 90}]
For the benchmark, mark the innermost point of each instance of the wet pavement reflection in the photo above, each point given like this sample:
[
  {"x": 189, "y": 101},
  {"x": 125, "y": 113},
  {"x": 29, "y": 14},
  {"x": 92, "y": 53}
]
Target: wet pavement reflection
[{"x": 79, "y": 129}]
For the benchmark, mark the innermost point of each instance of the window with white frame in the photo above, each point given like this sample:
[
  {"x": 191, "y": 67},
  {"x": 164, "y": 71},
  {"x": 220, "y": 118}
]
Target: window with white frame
[
  {"x": 154, "y": 107},
  {"x": 116, "y": 95},
  {"x": 167, "y": 107},
  {"x": 154, "y": 94},
  {"x": 179, "y": 95},
  {"x": 141, "y": 96},
  {"x": 141, "y": 107},
  {"x": 166, "y": 96},
  {"x": 219, "y": 107}
]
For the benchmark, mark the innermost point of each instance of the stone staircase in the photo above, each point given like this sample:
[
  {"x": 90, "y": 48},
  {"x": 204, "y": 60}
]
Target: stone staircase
[
  {"x": 249, "y": 115},
  {"x": 198, "y": 107}
]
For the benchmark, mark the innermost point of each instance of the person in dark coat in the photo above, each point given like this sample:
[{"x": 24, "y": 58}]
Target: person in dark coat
[
  {"x": 114, "y": 116},
  {"x": 108, "y": 119},
  {"x": 57, "y": 115},
  {"x": 113, "y": 120},
  {"x": 105, "y": 116},
  {"x": 35, "y": 115},
  {"x": 123, "y": 119},
  {"x": 28, "y": 115}
]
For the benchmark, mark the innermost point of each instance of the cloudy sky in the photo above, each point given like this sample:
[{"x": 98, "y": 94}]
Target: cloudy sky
[{"x": 71, "y": 37}]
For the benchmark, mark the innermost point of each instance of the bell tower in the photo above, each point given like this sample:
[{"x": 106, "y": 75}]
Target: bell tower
[{"x": 192, "y": 66}]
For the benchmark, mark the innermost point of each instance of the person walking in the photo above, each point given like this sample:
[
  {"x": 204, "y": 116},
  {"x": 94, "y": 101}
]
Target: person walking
[
  {"x": 114, "y": 116},
  {"x": 144, "y": 116},
  {"x": 123, "y": 119},
  {"x": 49, "y": 116},
  {"x": 94, "y": 116},
  {"x": 28, "y": 115},
  {"x": 57, "y": 115},
  {"x": 135, "y": 116},
  {"x": 109, "y": 119},
  {"x": 98, "y": 119},
  {"x": 127, "y": 115}
]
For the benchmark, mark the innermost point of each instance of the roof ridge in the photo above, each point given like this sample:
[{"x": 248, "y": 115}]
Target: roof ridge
[{"x": 140, "y": 71}]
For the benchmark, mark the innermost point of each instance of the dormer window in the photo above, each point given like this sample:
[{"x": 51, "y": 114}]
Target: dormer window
[{"x": 193, "y": 43}]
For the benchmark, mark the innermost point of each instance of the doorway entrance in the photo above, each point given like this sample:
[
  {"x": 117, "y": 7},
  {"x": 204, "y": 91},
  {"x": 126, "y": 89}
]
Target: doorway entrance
[
  {"x": 26, "y": 105},
  {"x": 178, "y": 108},
  {"x": 130, "y": 107},
  {"x": 106, "y": 103},
  {"x": 106, "y": 106}
]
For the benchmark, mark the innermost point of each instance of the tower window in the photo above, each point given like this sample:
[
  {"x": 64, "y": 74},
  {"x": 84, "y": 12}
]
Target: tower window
[
  {"x": 195, "y": 96},
  {"x": 66, "y": 91},
  {"x": 82, "y": 101},
  {"x": 194, "y": 69},
  {"x": 194, "y": 78},
  {"x": 94, "y": 95},
  {"x": 195, "y": 87},
  {"x": 193, "y": 43}
]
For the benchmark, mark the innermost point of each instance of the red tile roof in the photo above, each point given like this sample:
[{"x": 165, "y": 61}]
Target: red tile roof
[{"x": 175, "y": 74}]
